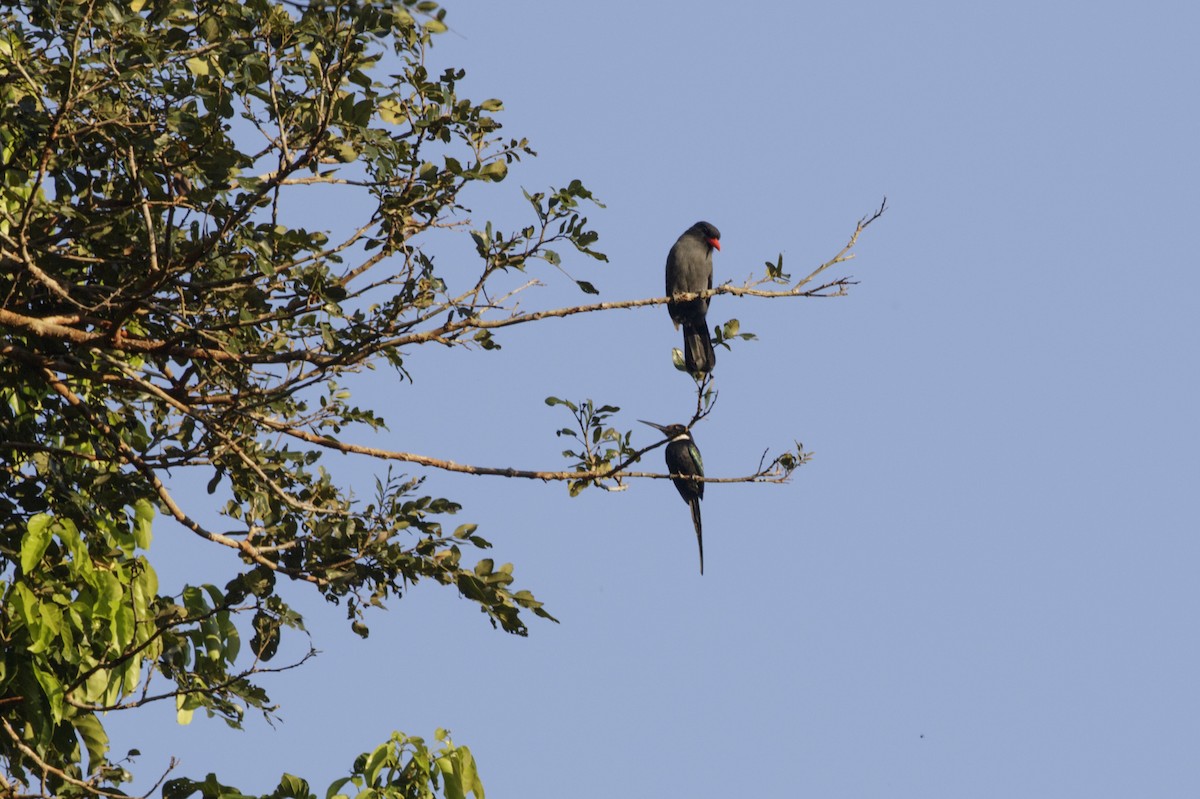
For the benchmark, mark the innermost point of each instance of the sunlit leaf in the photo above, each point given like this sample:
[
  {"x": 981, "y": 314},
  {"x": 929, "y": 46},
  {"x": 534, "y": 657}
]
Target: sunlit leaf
[{"x": 34, "y": 542}]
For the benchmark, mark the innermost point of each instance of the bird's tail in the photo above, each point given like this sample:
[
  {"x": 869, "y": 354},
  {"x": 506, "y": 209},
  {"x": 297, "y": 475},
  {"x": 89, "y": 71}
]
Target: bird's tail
[
  {"x": 698, "y": 354},
  {"x": 695, "y": 503}
]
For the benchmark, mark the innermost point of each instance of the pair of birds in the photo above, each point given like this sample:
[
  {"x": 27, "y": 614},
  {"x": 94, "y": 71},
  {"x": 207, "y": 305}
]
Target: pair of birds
[{"x": 690, "y": 270}]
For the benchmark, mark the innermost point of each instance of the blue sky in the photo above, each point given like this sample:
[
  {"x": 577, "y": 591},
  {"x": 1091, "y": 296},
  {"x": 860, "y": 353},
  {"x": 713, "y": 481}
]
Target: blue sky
[{"x": 984, "y": 584}]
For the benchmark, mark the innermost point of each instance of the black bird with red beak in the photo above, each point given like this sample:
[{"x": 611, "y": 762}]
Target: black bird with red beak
[{"x": 690, "y": 269}]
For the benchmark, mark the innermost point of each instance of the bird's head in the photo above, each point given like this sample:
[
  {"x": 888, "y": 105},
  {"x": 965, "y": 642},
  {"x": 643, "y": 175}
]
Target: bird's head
[
  {"x": 671, "y": 431},
  {"x": 708, "y": 232}
]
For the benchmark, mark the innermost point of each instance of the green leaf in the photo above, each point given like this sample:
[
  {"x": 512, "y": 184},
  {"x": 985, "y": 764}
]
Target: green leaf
[
  {"x": 95, "y": 739},
  {"x": 469, "y": 773},
  {"x": 390, "y": 112},
  {"x": 375, "y": 762},
  {"x": 292, "y": 786},
  {"x": 587, "y": 287},
  {"x": 335, "y": 789},
  {"x": 265, "y": 641},
  {"x": 109, "y": 594},
  {"x": 81, "y": 561},
  {"x": 143, "y": 517},
  {"x": 145, "y": 588},
  {"x": 26, "y": 604},
  {"x": 495, "y": 171},
  {"x": 193, "y": 600},
  {"x": 183, "y": 714},
  {"x": 452, "y": 781},
  {"x": 197, "y": 66},
  {"x": 53, "y": 690},
  {"x": 34, "y": 542}
]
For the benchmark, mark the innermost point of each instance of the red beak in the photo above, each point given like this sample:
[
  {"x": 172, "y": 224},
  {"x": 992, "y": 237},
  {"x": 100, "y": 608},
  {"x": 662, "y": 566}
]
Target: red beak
[{"x": 715, "y": 243}]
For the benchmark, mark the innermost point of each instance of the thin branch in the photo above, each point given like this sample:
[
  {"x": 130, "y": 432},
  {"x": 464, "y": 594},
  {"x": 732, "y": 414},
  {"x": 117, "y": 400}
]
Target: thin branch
[
  {"x": 127, "y": 343},
  {"x": 748, "y": 289},
  {"x": 613, "y": 472},
  {"x": 703, "y": 409},
  {"x": 147, "y": 217},
  {"x": 250, "y": 463},
  {"x": 210, "y": 690},
  {"x": 444, "y": 333},
  {"x": 46, "y": 768}
]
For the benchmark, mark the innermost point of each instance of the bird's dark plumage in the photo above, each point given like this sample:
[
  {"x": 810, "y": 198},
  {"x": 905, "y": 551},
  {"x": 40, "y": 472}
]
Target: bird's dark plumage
[
  {"x": 690, "y": 269},
  {"x": 683, "y": 459}
]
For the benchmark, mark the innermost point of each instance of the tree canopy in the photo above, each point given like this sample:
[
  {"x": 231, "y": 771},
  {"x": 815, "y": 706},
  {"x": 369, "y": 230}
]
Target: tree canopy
[{"x": 162, "y": 313}]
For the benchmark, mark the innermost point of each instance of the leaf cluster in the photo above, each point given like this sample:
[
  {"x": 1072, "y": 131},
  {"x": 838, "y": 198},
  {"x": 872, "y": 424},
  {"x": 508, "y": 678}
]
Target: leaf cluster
[
  {"x": 160, "y": 315},
  {"x": 403, "y": 767},
  {"x": 601, "y": 448}
]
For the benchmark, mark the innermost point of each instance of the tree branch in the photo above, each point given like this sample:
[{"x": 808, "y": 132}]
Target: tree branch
[
  {"x": 615, "y": 472},
  {"x": 46, "y": 768}
]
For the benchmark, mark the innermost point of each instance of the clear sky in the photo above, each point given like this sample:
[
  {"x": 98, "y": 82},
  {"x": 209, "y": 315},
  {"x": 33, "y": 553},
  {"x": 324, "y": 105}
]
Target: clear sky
[{"x": 986, "y": 582}]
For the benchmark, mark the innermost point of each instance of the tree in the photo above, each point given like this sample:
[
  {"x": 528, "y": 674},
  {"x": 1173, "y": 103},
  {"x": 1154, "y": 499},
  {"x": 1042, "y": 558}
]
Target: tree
[{"x": 160, "y": 314}]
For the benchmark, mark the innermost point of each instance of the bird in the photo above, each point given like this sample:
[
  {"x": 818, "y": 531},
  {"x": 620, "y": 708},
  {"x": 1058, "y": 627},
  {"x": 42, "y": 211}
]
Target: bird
[
  {"x": 690, "y": 269},
  {"x": 683, "y": 460}
]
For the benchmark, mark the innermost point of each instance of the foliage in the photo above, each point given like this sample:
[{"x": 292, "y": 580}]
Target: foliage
[
  {"x": 402, "y": 768},
  {"x": 160, "y": 314},
  {"x": 164, "y": 311},
  {"x": 600, "y": 446}
]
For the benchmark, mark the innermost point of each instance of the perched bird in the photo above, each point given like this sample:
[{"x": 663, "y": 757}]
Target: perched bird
[
  {"x": 683, "y": 459},
  {"x": 689, "y": 269}
]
